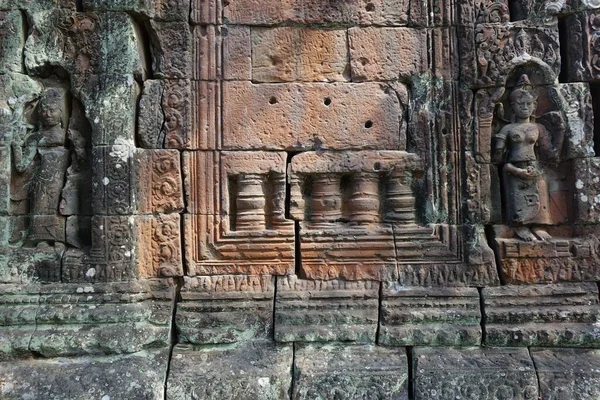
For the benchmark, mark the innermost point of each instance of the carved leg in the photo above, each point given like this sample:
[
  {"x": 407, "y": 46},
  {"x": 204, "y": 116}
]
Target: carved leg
[
  {"x": 524, "y": 233},
  {"x": 541, "y": 234}
]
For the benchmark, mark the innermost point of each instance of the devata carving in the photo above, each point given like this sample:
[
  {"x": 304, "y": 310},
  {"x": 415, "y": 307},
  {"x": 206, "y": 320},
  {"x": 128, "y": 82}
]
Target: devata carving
[{"x": 527, "y": 147}]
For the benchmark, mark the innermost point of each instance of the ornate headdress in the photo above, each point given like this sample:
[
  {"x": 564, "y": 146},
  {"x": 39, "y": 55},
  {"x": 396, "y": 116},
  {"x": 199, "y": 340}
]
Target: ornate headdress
[{"x": 524, "y": 88}]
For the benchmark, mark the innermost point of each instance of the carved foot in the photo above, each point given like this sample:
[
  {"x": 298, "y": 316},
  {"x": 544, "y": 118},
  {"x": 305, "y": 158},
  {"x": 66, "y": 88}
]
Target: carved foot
[
  {"x": 542, "y": 234},
  {"x": 525, "y": 234}
]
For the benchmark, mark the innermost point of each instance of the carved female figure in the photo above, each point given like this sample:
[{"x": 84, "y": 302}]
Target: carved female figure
[
  {"x": 526, "y": 197},
  {"x": 41, "y": 159}
]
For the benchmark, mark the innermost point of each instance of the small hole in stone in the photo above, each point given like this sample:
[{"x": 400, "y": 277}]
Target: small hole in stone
[
  {"x": 363, "y": 61},
  {"x": 377, "y": 166},
  {"x": 368, "y": 124},
  {"x": 370, "y": 7},
  {"x": 327, "y": 101},
  {"x": 273, "y": 100}
]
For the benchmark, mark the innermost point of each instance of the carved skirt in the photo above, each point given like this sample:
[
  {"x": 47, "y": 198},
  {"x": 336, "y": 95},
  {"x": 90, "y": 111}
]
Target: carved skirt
[{"x": 527, "y": 201}]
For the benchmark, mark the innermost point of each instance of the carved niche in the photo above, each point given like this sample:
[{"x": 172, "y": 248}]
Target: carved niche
[{"x": 534, "y": 134}]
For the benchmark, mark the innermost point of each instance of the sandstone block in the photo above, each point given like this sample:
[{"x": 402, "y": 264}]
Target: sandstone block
[
  {"x": 587, "y": 190},
  {"x": 378, "y": 12},
  {"x": 310, "y": 116},
  {"x": 112, "y": 254},
  {"x": 542, "y": 315},
  {"x": 582, "y": 53},
  {"x": 18, "y": 310},
  {"x": 159, "y": 245},
  {"x": 12, "y": 41},
  {"x": 110, "y": 103},
  {"x": 322, "y": 311},
  {"x": 288, "y": 54},
  {"x": 567, "y": 373},
  {"x": 72, "y": 320},
  {"x": 349, "y": 371},
  {"x": 180, "y": 114},
  {"x": 206, "y": 12},
  {"x": 257, "y": 370},
  {"x": 429, "y": 317},
  {"x": 112, "y": 186},
  {"x": 385, "y": 54},
  {"x": 171, "y": 46},
  {"x": 84, "y": 43},
  {"x": 474, "y": 372},
  {"x": 80, "y": 319},
  {"x": 158, "y": 181},
  {"x": 5, "y": 177},
  {"x": 37, "y": 5},
  {"x": 569, "y": 256},
  {"x": 206, "y": 52},
  {"x": 237, "y": 53},
  {"x": 212, "y": 248},
  {"x": 225, "y": 309},
  {"x": 85, "y": 377}
]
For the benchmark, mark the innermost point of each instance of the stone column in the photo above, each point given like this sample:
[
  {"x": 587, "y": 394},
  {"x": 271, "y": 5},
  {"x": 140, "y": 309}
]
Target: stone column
[
  {"x": 250, "y": 203},
  {"x": 400, "y": 200},
  {"x": 364, "y": 200},
  {"x": 326, "y": 204}
]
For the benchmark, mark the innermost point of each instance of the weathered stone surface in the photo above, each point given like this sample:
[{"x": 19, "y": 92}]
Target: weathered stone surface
[
  {"x": 112, "y": 187},
  {"x": 165, "y": 117},
  {"x": 384, "y": 54},
  {"x": 83, "y": 43},
  {"x": 11, "y": 41},
  {"x": 206, "y": 52},
  {"x": 179, "y": 114},
  {"x": 166, "y": 10},
  {"x": 110, "y": 106},
  {"x": 582, "y": 53},
  {"x": 502, "y": 50},
  {"x": 159, "y": 245},
  {"x": 237, "y": 53},
  {"x": 567, "y": 257},
  {"x": 225, "y": 309},
  {"x": 310, "y": 116},
  {"x": 206, "y": 11},
  {"x": 158, "y": 184},
  {"x": 259, "y": 370},
  {"x": 473, "y": 372},
  {"x": 319, "y": 311},
  {"x": 71, "y": 320},
  {"x": 378, "y": 12},
  {"x": 135, "y": 376},
  {"x": 171, "y": 44},
  {"x": 542, "y": 315},
  {"x": 349, "y": 371},
  {"x": 244, "y": 229},
  {"x": 587, "y": 190},
  {"x": 567, "y": 373},
  {"x": 278, "y": 57},
  {"x": 345, "y": 202},
  {"x": 429, "y": 317}
]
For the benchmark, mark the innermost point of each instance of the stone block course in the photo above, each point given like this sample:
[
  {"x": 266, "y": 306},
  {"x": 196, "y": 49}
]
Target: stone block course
[{"x": 310, "y": 116}]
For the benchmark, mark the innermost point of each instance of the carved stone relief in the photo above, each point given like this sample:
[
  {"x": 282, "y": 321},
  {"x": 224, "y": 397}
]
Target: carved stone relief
[{"x": 214, "y": 190}]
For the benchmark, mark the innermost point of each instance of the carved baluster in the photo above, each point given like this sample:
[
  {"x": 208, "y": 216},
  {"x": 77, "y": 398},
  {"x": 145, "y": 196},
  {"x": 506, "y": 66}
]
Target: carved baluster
[
  {"x": 250, "y": 203},
  {"x": 277, "y": 197},
  {"x": 364, "y": 200},
  {"x": 400, "y": 199},
  {"x": 326, "y": 204}
]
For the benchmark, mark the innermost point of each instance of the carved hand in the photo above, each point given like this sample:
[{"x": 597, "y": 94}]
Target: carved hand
[{"x": 526, "y": 173}]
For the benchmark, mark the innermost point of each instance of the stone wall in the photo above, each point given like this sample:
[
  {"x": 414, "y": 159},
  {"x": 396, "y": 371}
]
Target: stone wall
[{"x": 324, "y": 199}]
